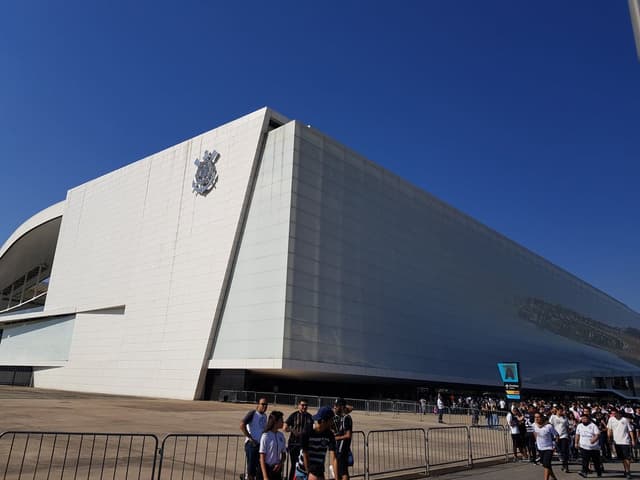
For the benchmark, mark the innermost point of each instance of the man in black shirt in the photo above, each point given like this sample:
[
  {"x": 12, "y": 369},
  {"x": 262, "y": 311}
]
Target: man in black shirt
[
  {"x": 298, "y": 422},
  {"x": 342, "y": 428},
  {"x": 314, "y": 445}
]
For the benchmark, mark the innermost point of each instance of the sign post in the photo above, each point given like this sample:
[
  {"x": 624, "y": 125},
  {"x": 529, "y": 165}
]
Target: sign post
[{"x": 510, "y": 374}]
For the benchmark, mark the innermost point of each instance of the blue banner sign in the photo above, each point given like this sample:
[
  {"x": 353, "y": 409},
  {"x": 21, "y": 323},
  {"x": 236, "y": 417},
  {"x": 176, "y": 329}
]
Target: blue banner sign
[{"x": 510, "y": 375}]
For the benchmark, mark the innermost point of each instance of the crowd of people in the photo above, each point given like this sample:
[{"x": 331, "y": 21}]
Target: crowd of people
[
  {"x": 487, "y": 408},
  {"x": 593, "y": 433},
  {"x": 310, "y": 438}
]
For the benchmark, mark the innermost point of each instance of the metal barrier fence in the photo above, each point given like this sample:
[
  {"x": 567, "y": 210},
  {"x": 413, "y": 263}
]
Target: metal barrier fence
[
  {"x": 202, "y": 456},
  {"x": 488, "y": 442},
  {"x": 394, "y": 451},
  {"x": 65, "y": 455},
  {"x": 359, "y": 450},
  {"x": 196, "y": 456},
  {"x": 451, "y": 415},
  {"x": 115, "y": 456},
  {"x": 448, "y": 446},
  {"x": 366, "y": 406}
]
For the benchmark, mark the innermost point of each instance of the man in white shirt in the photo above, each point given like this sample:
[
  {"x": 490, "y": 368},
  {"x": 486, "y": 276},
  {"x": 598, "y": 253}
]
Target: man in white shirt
[
  {"x": 440, "y": 407},
  {"x": 544, "y": 434},
  {"x": 561, "y": 424},
  {"x": 587, "y": 439},
  {"x": 620, "y": 432}
]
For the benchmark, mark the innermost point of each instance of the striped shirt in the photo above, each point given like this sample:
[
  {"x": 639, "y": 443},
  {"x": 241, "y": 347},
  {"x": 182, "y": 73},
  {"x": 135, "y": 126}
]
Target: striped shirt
[{"x": 316, "y": 444}]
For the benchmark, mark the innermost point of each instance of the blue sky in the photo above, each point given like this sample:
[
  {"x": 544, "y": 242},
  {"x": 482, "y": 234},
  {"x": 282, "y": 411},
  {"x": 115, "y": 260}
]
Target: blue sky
[{"x": 523, "y": 114}]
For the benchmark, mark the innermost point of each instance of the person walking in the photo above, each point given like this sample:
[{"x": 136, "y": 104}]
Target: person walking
[
  {"x": 620, "y": 433},
  {"x": 529, "y": 438},
  {"x": 297, "y": 423},
  {"x": 252, "y": 426},
  {"x": 560, "y": 423},
  {"x": 440, "y": 407},
  {"x": 587, "y": 440},
  {"x": 514, "y": 417},
  {"x": 273, "y": 447},
  {"x": 314, "y": 446},
  {"x": 544, "y": 434}
]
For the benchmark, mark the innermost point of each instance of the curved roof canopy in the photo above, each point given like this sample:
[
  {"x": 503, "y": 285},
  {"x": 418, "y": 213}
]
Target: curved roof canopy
[{"x": 31, "y": 248}]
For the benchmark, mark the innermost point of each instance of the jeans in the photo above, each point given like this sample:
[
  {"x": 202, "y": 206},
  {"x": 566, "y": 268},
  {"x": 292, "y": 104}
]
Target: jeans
[
  {"x": 294, "y": 454},
  {"x": 253, "y": 458}
]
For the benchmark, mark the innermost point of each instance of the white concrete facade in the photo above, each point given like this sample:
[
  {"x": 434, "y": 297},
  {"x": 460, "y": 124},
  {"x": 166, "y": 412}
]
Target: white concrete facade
[{"x": 304, "y": 259}]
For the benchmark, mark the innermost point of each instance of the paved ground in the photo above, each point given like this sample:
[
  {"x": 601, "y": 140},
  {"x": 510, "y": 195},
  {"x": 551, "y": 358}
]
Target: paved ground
[
  {"x": 530, "y": 472},
  {"x": 37, "y": 409}
]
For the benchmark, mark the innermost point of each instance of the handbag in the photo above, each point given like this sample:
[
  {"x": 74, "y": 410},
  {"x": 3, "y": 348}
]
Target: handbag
[{"x": 350, "y": 459}]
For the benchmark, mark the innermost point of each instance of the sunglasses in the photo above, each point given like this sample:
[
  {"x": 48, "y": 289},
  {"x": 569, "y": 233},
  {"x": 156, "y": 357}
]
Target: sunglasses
[
  {"x": 303, "y": 405},
  {"x": 265, "y": 404}
]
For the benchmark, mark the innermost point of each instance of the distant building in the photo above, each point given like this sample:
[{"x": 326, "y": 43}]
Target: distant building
[{"x": 264, "y": 255}]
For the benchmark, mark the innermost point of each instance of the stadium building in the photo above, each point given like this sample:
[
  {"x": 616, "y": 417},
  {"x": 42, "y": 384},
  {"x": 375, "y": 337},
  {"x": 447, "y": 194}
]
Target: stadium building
[{"x": 264, "y": 255}]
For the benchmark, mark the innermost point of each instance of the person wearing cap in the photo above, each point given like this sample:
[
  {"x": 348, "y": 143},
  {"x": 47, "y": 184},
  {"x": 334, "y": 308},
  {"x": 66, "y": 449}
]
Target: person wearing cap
[
  {"x": 298, "y": 422},
  {"x": 620, "y": 433},
  {"x": 314, "y": 445},
  {"x": 342, "y": 428},
  {"x": 587, "y": 439}
]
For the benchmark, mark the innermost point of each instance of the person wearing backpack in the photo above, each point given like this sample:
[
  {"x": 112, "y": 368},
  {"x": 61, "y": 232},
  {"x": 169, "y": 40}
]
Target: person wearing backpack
[
  {"x": 252, "y": 426},
  {"x": 342, "y": 429}
]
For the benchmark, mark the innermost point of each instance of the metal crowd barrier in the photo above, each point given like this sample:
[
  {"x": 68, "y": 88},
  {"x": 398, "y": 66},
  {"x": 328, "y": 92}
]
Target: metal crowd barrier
[
  {"x": 116, "y": 456},
  {"x": 395, "y": 451},
  {"x": 448, "y": 446},
  {"x": 488, "y": 442},
  {"x": 202, "y": 456},
  {"x": 362, "y": 405},
  {"x": 66, "y": 455},
  {"x": 451, "y": 415},
  {"x": 359, "y": 450}
]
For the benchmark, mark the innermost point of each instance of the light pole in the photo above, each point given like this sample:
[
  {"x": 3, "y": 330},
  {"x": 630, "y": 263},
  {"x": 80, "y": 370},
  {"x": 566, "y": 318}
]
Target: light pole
[{"x": 634, "y": 11}]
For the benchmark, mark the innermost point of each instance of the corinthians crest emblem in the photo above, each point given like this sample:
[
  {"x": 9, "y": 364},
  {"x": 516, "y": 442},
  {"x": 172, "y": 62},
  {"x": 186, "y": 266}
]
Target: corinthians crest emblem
[{"x": 206, "y": 173}]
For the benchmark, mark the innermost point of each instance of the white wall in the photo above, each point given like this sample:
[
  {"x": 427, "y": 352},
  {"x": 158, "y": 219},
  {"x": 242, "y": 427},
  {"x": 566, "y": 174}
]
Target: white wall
[
  {"x": 140, "y": 237},
  {"x": 252, "y": 327}
]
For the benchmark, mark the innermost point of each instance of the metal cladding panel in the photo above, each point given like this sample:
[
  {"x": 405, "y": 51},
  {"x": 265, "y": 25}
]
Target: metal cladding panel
[
  {"x": 251, "y": 326},
  {"x": 142, "y": 238},
  {"x": 385, "y": 279}
]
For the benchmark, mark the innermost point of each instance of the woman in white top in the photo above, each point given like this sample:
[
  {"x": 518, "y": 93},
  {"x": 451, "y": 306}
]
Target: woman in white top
[{"x": 273, "y": 447}]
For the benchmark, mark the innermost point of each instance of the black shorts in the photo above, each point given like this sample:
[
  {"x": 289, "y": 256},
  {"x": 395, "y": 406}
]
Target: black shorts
[
  {"x": 517, "y": 440},
  {"x": 343, "y": 463},
  {"x": 545, "y": 458},
  {"x": 623, "y": 452}
]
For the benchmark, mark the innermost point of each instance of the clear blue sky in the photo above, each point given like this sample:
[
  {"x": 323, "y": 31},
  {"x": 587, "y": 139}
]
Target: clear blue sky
[{"x": 525, "y": 115}]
